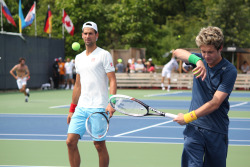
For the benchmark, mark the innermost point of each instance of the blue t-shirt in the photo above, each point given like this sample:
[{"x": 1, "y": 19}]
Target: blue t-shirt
[{"x": 222, "y": 78}]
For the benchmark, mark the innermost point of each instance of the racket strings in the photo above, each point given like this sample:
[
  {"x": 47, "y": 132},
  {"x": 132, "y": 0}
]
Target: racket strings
[
  {"x": 97, "y": 125},
  {"x": 129, "y": 107}
]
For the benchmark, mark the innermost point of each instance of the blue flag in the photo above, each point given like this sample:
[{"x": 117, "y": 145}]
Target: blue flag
[{"x": 22, "y": 23}]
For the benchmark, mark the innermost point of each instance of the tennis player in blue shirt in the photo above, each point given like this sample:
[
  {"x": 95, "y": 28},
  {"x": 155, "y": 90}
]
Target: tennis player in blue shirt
[{"x": 206, "y": 132}]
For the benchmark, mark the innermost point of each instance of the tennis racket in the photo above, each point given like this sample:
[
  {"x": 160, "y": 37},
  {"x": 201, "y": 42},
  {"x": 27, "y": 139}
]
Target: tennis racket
[
  {"x": 97, "y": 125},
  {"x": 134, "y": 107}
]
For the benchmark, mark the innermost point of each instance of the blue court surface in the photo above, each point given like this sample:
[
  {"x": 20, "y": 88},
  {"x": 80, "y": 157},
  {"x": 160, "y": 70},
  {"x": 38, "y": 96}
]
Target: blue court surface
[{"x": 122, "y": 129}]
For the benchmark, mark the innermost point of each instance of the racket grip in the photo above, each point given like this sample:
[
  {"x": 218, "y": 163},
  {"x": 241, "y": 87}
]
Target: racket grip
[{"x": 170, "y": 115}]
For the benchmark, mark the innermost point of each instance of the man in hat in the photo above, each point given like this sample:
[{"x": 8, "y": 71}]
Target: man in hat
[{"x": 94, "y": 68}]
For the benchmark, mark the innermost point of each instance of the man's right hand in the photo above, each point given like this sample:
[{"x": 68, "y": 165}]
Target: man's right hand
[{"x": 69, "y": 117}]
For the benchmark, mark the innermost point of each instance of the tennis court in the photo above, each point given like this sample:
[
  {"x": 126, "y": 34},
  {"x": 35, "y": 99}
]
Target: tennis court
[{"x": 34, "y": 133}]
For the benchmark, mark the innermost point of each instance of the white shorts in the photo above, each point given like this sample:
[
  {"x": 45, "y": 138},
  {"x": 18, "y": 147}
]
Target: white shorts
[
  {"x": 21, "y": 81},
  {"x": 166, "y": 73}
]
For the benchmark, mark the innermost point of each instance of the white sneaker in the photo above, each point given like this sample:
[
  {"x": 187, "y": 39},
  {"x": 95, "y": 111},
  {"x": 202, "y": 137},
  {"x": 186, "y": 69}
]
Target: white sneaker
[
  {"x": 27, "y": 92},
  {"x": 168, "y": 90},
  {"x": 163, "y": 88},
  {"x": 72, "y": 87},
  {"x": 67, "y": 88}
]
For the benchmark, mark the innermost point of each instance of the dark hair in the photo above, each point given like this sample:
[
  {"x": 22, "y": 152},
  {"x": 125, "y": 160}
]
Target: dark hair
[{"x": 20, "y": 59}]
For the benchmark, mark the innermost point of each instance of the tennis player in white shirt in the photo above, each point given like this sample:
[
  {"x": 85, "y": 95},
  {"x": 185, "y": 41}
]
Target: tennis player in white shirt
[
  {"x": 166, "y": 71},
  {"x": 94, "y": 68}
]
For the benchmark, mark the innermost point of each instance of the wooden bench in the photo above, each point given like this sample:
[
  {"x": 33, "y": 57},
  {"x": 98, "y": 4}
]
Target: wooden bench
[
  {"x": 178, "y": 81},
  {"x": 150, "y": 80},
  {"x": 242, "y": 82}
]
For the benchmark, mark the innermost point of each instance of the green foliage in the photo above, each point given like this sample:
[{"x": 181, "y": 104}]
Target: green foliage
[{"x": 157, "y": 25}]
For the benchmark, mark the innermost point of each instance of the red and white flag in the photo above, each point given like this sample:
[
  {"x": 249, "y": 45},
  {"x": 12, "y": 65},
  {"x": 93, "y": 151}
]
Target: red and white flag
[{"x": 68, "y": 23}]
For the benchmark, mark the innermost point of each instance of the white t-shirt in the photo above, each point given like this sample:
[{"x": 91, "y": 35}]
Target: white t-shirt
[
  {"x": 93, "y": 71},
  {"x": 69, "y": 67},
  {"x": 170, "y": 65}
]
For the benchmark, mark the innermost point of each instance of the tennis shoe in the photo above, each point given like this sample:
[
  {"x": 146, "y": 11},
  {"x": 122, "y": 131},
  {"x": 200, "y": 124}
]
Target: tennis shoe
[
  {"x": 26, "y": 99},
  {"x": 163, "y": 88},
  {"x": 27, "y": 92}
]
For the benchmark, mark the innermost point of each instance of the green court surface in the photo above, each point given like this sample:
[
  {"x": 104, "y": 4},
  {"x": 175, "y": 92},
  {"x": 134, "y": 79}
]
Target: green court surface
[{"x": 54, "y": 153}]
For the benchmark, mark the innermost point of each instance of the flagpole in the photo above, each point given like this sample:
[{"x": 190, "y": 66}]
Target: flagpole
[
  {"x": 62, "y": 26},
  {"x": 35, "y": 19},
  {"x": 1, "y": 18}
]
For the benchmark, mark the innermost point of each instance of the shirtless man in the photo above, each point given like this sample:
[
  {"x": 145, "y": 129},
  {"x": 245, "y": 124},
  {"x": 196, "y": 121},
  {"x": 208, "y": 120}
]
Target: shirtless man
[{"x": 21, "y": 76}]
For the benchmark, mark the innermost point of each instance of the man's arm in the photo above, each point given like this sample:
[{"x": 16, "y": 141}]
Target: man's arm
[
  {"x": 12, "y": 71},
  {"x": 206, "y": 108},
  {"x": 112, "y": 90},
  {"x": 75, "y": 97},
  {"x": 184, "y": 56},
  {"x": 27, "y": 72}
]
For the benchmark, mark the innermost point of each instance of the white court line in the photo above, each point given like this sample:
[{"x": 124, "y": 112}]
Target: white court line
[
  {"x": 29, "y": 166},
  {"x": 142, "y": 128},
  {"x": 163, "y": 94},
  {"x": 59, "y": 106},
  {"x": 240, "y": 104}
]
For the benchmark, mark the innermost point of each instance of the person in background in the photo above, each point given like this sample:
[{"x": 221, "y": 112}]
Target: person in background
[
  {"x": 150, "y": 68},
  {"x": 132, "y": 66},
  {"x": 21, "y": 76},
  {"x": 167, "y": 70},
  {"x": 139, "y": 67},
  {"x": 61, "y": 73},
  {"x": 245, "y": 67},
  {"x": 119, "y": 67},
  {"x": 151, "y": 62},
  {"x": 74, "y": 70},
  {"x": 128, "y": 66},
  {"x": 55, "y": 73},
  {"x": 69, "y": 74}
]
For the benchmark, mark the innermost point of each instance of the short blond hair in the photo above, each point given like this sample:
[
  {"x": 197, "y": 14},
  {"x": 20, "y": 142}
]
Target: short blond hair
[{"x": 210, "y": 36}]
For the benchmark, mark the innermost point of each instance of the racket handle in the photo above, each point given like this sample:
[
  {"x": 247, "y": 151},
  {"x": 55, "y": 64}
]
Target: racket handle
[{"x": 170, "y": 115}]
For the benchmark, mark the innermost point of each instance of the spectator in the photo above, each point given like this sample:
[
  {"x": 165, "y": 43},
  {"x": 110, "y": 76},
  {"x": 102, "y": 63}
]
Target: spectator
[
  {"x": 139, "y": 67},
  {"x": 69, "y": 74},
  {"x": 150, "y": 60},
  {"x": 145, "y": 64},
  {"x": 119, "y": 67},
  {"x": 61, "y": 73},
  {"x": 74, "y": 70},
  {"x": 245, "y": 67},
  {"x": 56, "y": 73},
  {"x": 132, "y": 66},
  {"x": 128, "y": 66},
  {"x": 150, "y": 68}
]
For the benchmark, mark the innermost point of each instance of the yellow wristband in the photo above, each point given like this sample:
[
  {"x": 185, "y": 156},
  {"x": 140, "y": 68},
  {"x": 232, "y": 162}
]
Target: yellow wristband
[{"x": 189, "y": 117}]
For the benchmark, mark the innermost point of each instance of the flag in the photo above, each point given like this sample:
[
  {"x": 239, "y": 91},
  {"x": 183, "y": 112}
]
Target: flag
[
  {"x": 22, "y": 23},
  {"x": 30, "y": 16},
  {"x": 7, "y": 13},
  {"x": 48, "y": 22},
  {"x": 68, "y": 23}
]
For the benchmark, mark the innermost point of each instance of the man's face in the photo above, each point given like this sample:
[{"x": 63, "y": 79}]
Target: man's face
[
  {"x": 22, "y": 62},
  {"x": 89, "y": 36},
  {"x": 211, "y": 54}
]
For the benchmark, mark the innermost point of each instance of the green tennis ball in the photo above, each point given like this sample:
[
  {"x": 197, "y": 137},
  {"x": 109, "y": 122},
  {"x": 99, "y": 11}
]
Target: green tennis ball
[
  {"x": 179, "y": 36},
  {"x": 75, "y": 46},
  {"x": 196, "y": 74}
]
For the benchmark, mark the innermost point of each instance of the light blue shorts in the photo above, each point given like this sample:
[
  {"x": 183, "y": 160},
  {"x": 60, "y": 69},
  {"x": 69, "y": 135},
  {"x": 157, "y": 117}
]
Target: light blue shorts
[{"x": 77, "y": 123}]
